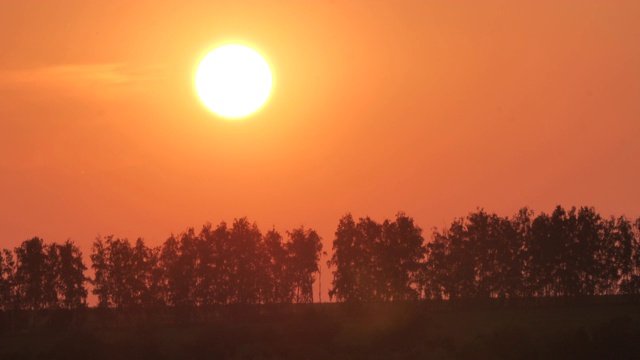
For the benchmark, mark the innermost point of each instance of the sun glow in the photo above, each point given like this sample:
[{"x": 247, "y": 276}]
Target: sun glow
[{"x": 233, "y": 81}]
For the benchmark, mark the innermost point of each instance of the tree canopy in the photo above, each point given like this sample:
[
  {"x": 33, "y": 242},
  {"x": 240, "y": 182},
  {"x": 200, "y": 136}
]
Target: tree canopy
[{"x": 566, "y": 253}]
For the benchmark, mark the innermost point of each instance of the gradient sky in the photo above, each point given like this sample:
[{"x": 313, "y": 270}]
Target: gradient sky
[{"x": 430, "y": 107}]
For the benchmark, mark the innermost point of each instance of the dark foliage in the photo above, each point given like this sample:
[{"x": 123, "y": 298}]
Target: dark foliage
[
  {"x": 219, "y": 266},
  {"x": 224, "y": 271},
  {"x": 573, "y": 253}
]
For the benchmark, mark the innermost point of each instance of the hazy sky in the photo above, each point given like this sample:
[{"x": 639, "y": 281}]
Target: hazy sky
[{"x": 430, "y": 107}]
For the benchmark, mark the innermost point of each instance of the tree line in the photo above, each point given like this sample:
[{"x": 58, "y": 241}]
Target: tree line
[
  {"x": 571, "y": 252},
  {"x": 481, "y": 256},
  {"x": 225, "y": 264},
  {"x": 36, "y": 275},
  {"x": 220, "y": 265}
]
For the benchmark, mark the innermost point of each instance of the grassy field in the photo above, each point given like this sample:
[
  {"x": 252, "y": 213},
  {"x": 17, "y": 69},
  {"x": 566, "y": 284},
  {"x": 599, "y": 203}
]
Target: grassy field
[{"x": 382, "y": 331}]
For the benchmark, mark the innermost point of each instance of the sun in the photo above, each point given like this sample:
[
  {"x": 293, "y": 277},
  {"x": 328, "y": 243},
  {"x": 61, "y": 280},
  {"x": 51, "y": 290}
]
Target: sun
[{"x": 233, "y": 81}]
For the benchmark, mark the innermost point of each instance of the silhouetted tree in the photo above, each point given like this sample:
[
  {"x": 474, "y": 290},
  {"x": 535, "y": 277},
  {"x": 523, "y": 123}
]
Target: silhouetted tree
[
  {"x": 100, "y": 266},
  {"x": 567, "y": 258},
  {"x": 522, "y": 223},
  {"x": 461, "y": 262},
  {"x": 345, "y": 256},
  {"x": 178, "y": 259},
  {"x": 305, "y": 246},
  {"x": 31, "y": 273},
  {"x": 541, "y": 257},
  {"x": 436, "y": 272},
  {"x": 568, "y": 253},
  {"x": 616, "y": 255},
  {"x": 123, "y": 273},
  {"x": 509, "y": 265},
  {"x": 377, "y": 261},
  {"x": 400, "y": 255},
  {"x": 146, "y": 276},
  {"x": 248, "y": 262},
  {"x": 70, "y": 278},
  {"x": 238, "y": 265},
  {"x": 7, "y": 281},
  {"x": 631, "y": 280},
  {"x": 591, "y": 255},
  {"x": 154, "y": 296},
  {"x": 281, "y": 279},
  {"x": 482, "y": 255},
  {"x": 51, "y": 276},
  {"x": 370, "y": 280},
  {"x": 207, "y": 265},
  {"x": 215, "y": 268},
  {"x": 494, "y": 250}
]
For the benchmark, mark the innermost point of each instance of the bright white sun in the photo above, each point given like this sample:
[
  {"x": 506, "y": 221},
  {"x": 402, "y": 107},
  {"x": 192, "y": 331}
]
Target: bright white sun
[{"x": 233, "y": 81}]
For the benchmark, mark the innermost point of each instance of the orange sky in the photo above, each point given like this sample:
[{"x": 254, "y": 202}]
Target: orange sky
[{"x": 431, "y": 107}]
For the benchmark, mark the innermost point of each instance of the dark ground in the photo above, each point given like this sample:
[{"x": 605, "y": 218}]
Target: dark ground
[{"x": 334, "y": 331}]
